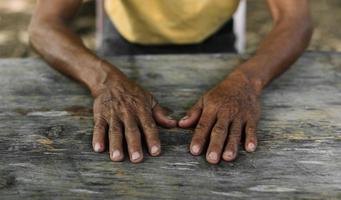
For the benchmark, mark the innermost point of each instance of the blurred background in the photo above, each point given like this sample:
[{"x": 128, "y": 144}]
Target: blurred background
[{"x": 15, "y": 16}]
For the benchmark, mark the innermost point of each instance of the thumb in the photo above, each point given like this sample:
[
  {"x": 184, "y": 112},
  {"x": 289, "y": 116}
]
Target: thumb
[
  {"x": 161, "y": 117},
  {"x": 192, "y": 116}
]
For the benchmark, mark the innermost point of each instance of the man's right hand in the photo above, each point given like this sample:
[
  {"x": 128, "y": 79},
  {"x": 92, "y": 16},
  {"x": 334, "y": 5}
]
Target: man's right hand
[
  {"x": 127, "y": 112},
  {"x": 121, "y": 107}
]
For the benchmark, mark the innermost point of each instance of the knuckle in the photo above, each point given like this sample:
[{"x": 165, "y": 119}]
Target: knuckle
[
  {"x": 125, "y": 111},
  {"x": 237, "y": 120},
  {"x": 115, "y": 125},
  {"x": 116, "y": 128},
  {"x": 212, "y": 107},
  {"x": 147, "y": 121},
  {"x": 115, "y": 137},
  {"x": 216, "y": 145},
  {"x": 146, "y": 111},
  {"x": 219, "y": 129},
  {"x": 233, "y": 110},
  {"x": 151, "y": 133},
  {"x": 99, "y": 127},
  {"x": 133, "y": 140},
  {"x": 235, "y": 132},
  {"x": 99, "y": 118},
  {"x": 116, "y": 134},
  {"x": 133, "y": 130},
  {"x": 144, "y": 121},
  {"x": 236, "y": 136},
  {"x": 140, "y": 108},
  {"x": 229, "y": 112},
  {"x": 224, "y": 116},
  {"x": 251, "y": 130},
  {"x": 152, "y": 139},
  {"x": 206, "y": 118},
  {"x": 198, "y": 140},
  {"x": 200, "y": 126},
  {"x": 151, "y": 128}
]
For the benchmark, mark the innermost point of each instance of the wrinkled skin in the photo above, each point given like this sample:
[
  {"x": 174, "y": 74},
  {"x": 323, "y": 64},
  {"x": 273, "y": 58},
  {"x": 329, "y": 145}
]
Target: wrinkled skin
[
  {"x": 222, "y": 115},
  {"x": 127, "y": 111}
]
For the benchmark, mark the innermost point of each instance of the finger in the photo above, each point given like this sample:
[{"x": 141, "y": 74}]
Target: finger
[
  {"x": 151, "y": 133},
  {"x": 192, "y": 116},
  {"x": 116, "y": 140},
  {"x": 161, "y": 117},
  {"x": 217, "y": 141},
  {"x": 98, "y": 137},
  {"x": 251, "y": 137},
  {"x": 201, "y": 131},
  {"x": 231, "y": 148},
  {"x": 133, "y": 138}
]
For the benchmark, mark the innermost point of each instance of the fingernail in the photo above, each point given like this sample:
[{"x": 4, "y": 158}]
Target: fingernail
[
  {"x": 228, "y": 154},
  {"x": 213, "y": 156},
  {"x": 184, "y": 118},
  {"x": 251, "y": 147},
  {"x": 135, "y": 156},
  {"x": 98, "y": 147},
  {"x": 116, "y": 154},
  {"x": 155, "y": 149},
  {"x": 195, "y": 149}
]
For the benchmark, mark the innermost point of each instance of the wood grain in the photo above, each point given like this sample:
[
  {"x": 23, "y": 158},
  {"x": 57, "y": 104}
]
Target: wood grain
[{"x": 46, "y": 124}]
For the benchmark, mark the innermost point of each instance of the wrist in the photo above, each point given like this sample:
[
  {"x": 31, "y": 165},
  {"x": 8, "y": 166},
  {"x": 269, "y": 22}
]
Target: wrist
[
  {"x": 258, "y": 70},
  {"x": 105, "y": 74},
  {"x": 255, "y": 83}
]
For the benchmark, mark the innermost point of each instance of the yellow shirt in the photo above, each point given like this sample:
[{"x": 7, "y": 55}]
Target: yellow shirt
[{"x": 169, "y": 21}]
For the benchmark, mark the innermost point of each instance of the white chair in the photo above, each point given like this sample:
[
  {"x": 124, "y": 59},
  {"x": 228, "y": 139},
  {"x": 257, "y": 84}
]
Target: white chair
[
  {"x": 99, "y": 22},
  {"x": 239, "y": 27}
]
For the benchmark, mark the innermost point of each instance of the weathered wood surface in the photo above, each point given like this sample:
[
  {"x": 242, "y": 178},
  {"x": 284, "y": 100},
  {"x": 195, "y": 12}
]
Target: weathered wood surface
[{"x": 46, "y": 124}]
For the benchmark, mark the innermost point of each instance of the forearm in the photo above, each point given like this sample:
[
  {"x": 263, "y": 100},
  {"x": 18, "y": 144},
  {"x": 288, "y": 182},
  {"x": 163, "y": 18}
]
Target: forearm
[
  {"x": 281, "y": 48},
  {"x": 65, "y": 52}
]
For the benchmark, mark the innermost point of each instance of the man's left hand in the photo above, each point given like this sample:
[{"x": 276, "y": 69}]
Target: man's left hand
[{"x": 221, "y": 116}]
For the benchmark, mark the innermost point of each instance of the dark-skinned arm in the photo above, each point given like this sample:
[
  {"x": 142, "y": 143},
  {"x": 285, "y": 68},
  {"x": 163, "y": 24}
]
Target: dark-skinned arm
[
  {"x": 291, "y": 34},
  {"x": 121, "y": 107},
  {"x": 232, "y": 107}
]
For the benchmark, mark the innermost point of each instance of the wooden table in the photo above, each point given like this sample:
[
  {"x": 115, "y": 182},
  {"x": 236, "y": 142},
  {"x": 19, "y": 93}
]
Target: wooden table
[{"x": 46, "y": 127}]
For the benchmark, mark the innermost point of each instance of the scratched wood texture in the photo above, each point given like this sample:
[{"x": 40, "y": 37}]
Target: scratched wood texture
[{"x": 46, "y": 124}]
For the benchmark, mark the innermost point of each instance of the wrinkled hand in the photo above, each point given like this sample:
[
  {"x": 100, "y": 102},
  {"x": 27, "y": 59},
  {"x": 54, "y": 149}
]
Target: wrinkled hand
[
  {"x": 126, "y": 111},
  {"x": 222, "y": 115}
]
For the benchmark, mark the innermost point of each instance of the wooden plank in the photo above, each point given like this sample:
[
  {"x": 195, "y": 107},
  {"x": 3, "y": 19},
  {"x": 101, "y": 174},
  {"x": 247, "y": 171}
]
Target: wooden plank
[{"x": 46, "y": 123}]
